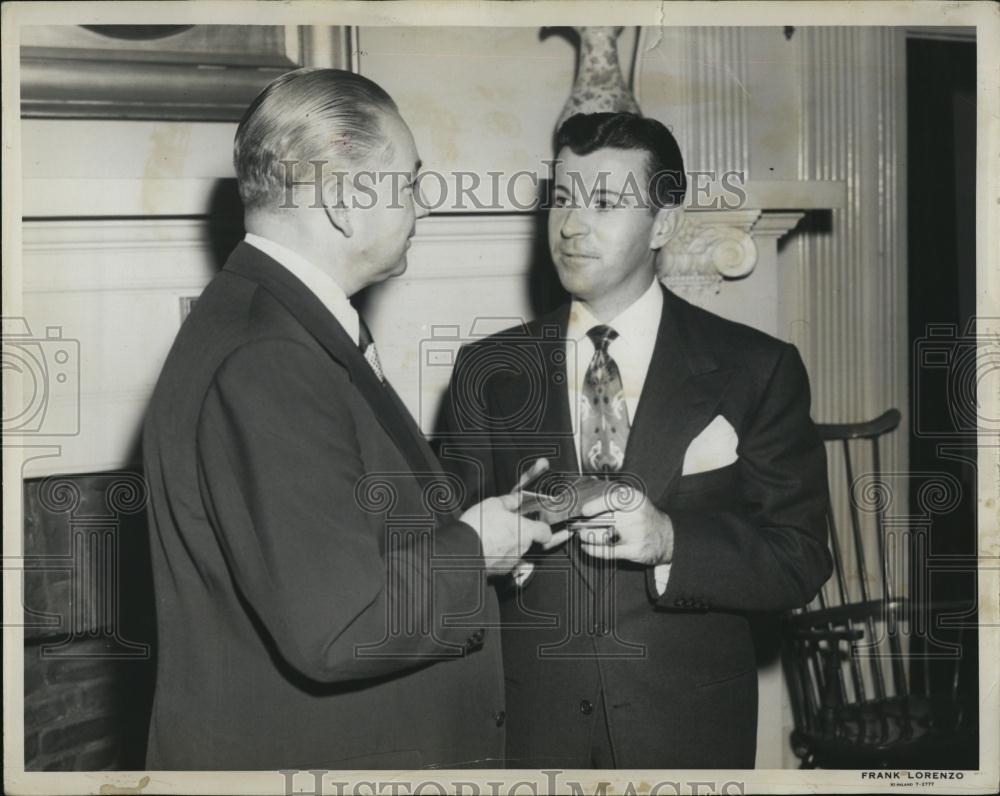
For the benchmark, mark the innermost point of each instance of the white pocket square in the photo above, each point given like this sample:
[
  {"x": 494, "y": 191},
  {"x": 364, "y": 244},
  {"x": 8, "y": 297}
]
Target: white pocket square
[{"x": 713, "y": 448}]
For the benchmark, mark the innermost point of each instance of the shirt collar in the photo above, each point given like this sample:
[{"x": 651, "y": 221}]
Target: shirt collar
[
  {"x": 637, "y": 322},
  {"x": 319, "y": 283}
]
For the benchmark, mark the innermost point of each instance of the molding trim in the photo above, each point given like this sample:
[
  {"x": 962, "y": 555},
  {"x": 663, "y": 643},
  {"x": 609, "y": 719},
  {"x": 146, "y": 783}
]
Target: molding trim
[
  {"x": 116, "y": 234},
  {"x": 711, "y": 247},
  {"x": 70, "y": 198},
  {"x": 942, "y": 33}
]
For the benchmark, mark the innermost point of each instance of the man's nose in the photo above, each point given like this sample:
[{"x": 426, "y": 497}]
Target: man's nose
[{"x": 573, "y": 224}]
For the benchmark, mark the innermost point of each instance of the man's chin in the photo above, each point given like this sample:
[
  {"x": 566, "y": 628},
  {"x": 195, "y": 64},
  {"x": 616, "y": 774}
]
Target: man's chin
[{"x": 574, "y": 285}]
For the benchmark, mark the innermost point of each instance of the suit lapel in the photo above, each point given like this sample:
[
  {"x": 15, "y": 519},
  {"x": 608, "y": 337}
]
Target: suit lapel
[
  {"x": 557, "y": 424},
  {"x": 683, "y": 388},
  {"x": 252, "y": 264},
  {"x": 543, "y": 409},
  {"x": 557, "y": 416}
]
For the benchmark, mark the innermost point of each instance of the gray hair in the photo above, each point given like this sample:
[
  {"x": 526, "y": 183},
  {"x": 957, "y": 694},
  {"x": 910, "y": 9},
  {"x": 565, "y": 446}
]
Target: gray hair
[{"x": 307, "y": 114}]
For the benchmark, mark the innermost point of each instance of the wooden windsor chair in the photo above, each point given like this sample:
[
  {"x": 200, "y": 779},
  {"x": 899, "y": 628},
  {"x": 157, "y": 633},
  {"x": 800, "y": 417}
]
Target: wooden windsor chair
[{"x": 864, "y": 693}]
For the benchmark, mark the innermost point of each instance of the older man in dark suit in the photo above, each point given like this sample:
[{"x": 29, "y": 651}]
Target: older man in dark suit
[
  {"x": 630, "y": 646},
  {"x": 319, "y": 605}
]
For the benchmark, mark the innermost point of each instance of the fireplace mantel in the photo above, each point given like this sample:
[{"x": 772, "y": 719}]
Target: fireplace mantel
[
  {"x": 117, "y": 284},
  {"x": 69, "y": 197}
]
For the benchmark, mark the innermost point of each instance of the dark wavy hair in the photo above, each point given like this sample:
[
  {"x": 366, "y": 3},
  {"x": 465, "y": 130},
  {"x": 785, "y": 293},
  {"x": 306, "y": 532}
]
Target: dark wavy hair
[
  {"x": 584, "y": 133},
  {"x": 307, "y": 114}
]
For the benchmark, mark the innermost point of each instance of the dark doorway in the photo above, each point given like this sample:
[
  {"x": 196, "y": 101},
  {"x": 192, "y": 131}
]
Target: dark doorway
[{"x": 941, "y": 173}]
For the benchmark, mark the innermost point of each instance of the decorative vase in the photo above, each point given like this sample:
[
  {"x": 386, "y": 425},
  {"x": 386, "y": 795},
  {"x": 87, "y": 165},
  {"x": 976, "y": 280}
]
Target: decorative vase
[{"x": 599, "y": 86}]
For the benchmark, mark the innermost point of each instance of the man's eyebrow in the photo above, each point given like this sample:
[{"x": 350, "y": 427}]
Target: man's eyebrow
[{"x": 418, "y": 165}]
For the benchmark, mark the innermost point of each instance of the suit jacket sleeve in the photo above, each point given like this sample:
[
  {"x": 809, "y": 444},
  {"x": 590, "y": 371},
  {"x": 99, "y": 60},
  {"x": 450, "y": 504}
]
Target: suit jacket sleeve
[
  {"x": 772, "y": 553},
  {"x": 279, "y": 463}
]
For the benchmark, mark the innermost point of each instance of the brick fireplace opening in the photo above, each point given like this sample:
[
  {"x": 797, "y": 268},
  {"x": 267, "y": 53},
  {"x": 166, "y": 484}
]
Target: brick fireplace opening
[{"x": 89, "y": 659}]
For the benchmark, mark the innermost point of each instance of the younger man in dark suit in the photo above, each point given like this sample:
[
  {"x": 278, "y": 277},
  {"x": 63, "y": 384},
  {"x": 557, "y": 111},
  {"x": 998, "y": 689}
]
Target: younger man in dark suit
[
  {"x": 629, "y": 645},
  {"x": 319, "y": 605}
]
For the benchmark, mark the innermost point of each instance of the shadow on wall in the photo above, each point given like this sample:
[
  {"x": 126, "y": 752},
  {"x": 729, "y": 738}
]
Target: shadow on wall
[
  {"x": 544, "y": 291},
  {"x": 225, "y": 221},
  {"x": 224, "y": 229}
]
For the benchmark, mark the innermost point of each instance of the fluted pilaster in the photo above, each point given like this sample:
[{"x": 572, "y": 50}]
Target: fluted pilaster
[
  {"x": 718, "y": 101},
  {"x": 848, "y": 314}
]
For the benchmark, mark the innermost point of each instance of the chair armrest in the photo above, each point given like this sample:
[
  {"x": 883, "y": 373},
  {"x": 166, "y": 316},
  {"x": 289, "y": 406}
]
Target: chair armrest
[
  {"x": 861, "y": 611},
  {"x": 819, "y": 634}
]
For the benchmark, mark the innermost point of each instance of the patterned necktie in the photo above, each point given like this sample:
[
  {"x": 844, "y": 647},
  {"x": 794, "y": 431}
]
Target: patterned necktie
[
  {"x": 603, "y": 412},
  {"x": 367, "y": 346}
]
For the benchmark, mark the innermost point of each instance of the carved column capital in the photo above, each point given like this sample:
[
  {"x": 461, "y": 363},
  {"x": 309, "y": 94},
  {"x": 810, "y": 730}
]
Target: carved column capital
[
  {"x": 714, "y": 245},
  {"x": 708, "y": 247}
]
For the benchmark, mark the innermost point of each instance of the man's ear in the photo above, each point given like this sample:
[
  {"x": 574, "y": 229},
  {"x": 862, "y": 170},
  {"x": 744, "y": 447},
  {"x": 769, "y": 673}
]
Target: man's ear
[
  {"x": 666, "y": 224},
  {"x": 335, "y": 204}
]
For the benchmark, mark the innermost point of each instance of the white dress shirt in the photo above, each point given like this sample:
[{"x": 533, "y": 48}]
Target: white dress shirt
[
  {"x": 632, "y": 350},
  {"x": 320, "y": 283}
]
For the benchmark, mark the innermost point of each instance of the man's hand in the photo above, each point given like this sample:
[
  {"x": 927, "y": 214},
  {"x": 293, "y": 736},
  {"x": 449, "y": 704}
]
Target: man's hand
[
  {"x": 640, "y": 533},
  {"x": 503, "y": 532}
]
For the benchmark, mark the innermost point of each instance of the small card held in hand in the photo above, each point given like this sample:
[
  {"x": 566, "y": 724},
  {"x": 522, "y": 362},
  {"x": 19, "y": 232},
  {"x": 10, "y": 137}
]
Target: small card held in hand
[{"x": 558, "y": 498}]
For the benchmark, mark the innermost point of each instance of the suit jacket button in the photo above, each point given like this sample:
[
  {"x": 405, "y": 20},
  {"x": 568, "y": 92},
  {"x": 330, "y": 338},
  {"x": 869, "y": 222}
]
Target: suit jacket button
[
  {"x": 499, "y": 718},
  {"x": 586, "y": 707}
]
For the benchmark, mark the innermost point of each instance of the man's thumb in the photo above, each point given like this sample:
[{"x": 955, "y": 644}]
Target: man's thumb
[
  {"x": 511, "y": 501},
  {"x": 538, "y": 531}
]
